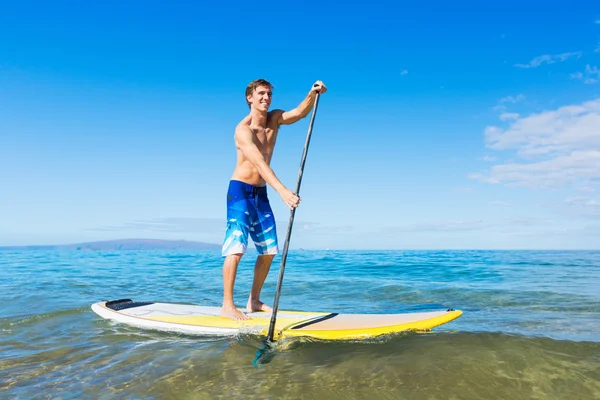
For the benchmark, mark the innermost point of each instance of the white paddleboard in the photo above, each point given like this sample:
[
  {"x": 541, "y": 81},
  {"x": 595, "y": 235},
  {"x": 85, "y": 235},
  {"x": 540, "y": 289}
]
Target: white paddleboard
[{"x": 205, "y": 320}]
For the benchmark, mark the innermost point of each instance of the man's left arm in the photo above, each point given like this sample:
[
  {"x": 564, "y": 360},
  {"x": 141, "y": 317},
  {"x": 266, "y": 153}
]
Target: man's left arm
[{"x": 296, "y": 114}]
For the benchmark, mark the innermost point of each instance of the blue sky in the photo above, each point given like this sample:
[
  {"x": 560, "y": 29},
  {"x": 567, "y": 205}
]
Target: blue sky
[{"x": 445, "y": 126}]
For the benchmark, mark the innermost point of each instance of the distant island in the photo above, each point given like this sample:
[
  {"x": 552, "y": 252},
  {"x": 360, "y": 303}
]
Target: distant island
[{"x": 124, "y": 244}]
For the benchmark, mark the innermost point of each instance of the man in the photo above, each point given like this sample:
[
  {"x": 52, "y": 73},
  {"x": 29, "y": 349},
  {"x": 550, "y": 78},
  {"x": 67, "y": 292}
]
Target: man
[{"x": 248, "y": 210}]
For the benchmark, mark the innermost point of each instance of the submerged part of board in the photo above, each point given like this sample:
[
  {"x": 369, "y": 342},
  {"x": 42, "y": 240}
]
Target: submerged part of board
[{"x": 205, "y": 320}]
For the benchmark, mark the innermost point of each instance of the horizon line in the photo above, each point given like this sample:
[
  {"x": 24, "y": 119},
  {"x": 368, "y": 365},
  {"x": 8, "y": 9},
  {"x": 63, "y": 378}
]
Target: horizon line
[{"x": 150, "y": 241}]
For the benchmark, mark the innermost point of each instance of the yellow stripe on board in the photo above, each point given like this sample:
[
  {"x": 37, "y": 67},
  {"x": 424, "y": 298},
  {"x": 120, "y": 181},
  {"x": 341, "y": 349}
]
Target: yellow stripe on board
[{"x": 364, "y": 333}]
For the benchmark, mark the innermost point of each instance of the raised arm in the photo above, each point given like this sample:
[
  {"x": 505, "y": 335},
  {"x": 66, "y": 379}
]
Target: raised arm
[{"x": 303, "y": 109}]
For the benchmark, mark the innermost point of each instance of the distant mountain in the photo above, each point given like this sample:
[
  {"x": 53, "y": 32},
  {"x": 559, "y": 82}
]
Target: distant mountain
[{"x": 124, "y": 244}]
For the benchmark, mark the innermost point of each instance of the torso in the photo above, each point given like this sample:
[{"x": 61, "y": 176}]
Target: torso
[{"x": 265, "y": 139}]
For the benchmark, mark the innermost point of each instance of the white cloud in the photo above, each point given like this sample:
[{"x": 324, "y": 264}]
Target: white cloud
[
  {"x": 178, "y": 225},
  {"x": 561, "y": 131},
  {"x": 439, "y": 226},
  {"x": 488, "y": 158},
  {"x": 549, "y": 59},
  {"x": 585, "y": 189},
  {"x": 501, "y": 107},
  {"x": 590, "y": 76},
  {"x": 584, "y": 202},
  {"x": 546, "y": 233},
  {"x": 584, "y": 206},
  {"x": 560, "y": 171},
  {"x": 315, "y": 228},
  {"x": 508, "y": 116},
  {"x": 512, "y": 99},
  {"x": 577, "y": 75},
  {"x": 528, "y": 222},
  {"x": 563, "y": 144}
]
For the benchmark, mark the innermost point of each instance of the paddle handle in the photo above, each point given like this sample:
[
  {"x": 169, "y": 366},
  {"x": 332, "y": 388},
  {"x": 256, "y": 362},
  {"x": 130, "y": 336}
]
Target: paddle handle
[{"x": 291, "y": 223}]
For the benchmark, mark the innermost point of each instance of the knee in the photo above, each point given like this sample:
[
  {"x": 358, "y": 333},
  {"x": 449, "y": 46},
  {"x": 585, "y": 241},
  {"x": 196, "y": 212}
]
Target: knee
[{"x": 235, "y": 257}]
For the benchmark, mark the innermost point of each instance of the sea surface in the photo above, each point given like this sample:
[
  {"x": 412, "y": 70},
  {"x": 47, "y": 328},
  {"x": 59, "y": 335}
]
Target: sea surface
[{"x": 530, "y": 328}]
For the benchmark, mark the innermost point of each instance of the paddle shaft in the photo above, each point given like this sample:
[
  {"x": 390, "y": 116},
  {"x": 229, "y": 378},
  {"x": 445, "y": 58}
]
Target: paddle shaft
[{"x": 291, "y": 223}]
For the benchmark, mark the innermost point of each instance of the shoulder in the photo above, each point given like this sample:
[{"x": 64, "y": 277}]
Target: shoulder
[
  {"x": 243, "y": 126},
  {"x": 243, "y": 131},
  {"x": 274, "y": 116},
  {"x": 275, "y": 113}
]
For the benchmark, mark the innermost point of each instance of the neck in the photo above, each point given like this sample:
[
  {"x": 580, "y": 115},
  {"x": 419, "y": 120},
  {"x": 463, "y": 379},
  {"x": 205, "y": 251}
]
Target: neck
[{"x": 258, "y": 118}]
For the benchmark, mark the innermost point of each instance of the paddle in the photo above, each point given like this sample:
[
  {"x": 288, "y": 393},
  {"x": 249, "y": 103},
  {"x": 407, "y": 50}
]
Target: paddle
[{"x": 262, "y": 355}]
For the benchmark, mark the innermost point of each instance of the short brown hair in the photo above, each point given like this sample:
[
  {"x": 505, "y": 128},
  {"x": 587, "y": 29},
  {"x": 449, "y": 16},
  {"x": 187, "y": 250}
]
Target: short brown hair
[{"x": 254, "y": 84}]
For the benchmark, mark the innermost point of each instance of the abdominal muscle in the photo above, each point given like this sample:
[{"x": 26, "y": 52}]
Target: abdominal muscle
[{"x": 246, "y": 172}]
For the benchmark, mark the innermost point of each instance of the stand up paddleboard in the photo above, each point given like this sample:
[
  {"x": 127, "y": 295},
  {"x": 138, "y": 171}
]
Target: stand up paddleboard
[{"x": 205, "y": 320}]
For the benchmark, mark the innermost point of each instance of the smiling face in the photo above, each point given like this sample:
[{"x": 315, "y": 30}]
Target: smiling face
[
  {"x": 261, "y": 98},
  {"x": 259, "y": 94}
]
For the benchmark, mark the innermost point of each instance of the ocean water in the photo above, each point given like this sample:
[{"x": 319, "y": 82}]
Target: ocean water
[{"x": 530, "y": 328}]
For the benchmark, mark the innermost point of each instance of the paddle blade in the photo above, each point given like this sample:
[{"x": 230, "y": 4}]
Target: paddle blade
[{"x": 264, "y": 354}]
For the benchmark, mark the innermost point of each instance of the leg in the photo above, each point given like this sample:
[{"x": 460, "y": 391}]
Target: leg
[
  {"x": 234, "y": 247},
  {"x": 229, "y": 271},
  {"x": 264, "y": 235},
  {"x": 261, "y": 270}
]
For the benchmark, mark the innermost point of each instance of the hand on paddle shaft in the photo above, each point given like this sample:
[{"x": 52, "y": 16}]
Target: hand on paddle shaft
[
  {"x": 318, "y": 87},
  {"x": 290, "y": 198}
]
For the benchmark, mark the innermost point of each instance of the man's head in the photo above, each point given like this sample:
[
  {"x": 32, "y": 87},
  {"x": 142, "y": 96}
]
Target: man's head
[{"x": 259, "y": 92}]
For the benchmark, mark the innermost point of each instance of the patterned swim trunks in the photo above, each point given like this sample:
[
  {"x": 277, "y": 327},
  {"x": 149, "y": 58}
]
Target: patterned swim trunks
[{"x": 249, "y": 214}]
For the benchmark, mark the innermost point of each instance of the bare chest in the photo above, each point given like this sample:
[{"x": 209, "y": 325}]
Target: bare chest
[{"x": 265, "y": 139}]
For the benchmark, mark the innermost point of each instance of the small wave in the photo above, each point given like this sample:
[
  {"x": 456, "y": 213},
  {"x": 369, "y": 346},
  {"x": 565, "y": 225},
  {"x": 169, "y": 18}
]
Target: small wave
[{"x": 19, "y": 320}]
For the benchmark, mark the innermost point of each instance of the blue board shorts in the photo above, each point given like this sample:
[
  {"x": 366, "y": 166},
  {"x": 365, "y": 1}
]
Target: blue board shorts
[{"x": 249, "y": 214}]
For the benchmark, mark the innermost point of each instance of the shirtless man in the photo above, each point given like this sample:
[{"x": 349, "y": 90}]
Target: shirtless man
[{"x": 248, "y": 210}]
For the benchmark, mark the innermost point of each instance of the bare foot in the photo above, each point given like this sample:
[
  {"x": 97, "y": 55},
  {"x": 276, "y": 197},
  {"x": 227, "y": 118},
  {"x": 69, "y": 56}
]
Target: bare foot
[
  {"x": 257, "y": 305},
  {"x": 233, "y": 313}
]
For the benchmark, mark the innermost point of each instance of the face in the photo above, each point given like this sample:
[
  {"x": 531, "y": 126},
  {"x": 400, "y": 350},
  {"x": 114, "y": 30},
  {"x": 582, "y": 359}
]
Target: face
[{"x": 261, "y": 98}]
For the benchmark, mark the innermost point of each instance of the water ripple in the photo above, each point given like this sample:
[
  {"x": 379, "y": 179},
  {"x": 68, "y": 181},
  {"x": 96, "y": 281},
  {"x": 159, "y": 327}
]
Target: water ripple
[{"x": 530, "y": 327}]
